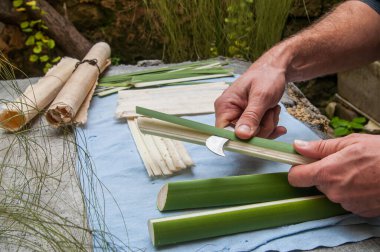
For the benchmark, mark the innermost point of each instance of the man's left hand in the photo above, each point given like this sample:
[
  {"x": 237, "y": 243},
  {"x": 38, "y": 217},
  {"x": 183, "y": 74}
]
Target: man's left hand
[{"x": 348, "y": 171}]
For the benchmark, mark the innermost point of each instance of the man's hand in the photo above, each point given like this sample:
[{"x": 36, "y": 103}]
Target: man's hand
[
  {"x": 348, "y": 172},
  {"x": 252, "y": 101}
]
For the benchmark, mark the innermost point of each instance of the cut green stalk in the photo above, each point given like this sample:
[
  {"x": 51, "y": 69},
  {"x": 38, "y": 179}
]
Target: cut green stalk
[
  {"x": 121, "y": 84},
  {"x": 128, "y": 76},
  {"x": 239, "y": 219},
  {"x": 170, "y": 81},
  {"x": 208, "y": 129},
  {"x": 111, "y": 91},
  {"x": 179, "y": 74},
  {"x": 228, "y": 191}
]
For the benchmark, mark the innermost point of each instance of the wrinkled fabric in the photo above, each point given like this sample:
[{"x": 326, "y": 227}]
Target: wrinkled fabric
[{"x": 121, "y": 170}]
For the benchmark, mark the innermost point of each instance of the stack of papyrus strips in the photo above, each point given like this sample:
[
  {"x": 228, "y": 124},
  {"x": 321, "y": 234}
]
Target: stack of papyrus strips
[
  {"x": 163, "y": 156},
  {"x": 67, "y": 87}
]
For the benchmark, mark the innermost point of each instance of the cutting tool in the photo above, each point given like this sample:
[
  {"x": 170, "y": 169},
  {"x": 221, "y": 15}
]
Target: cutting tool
[{"x": 216, "y": 143}]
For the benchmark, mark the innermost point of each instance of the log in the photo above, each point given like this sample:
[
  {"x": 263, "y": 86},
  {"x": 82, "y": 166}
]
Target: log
[
  {"x": 66, "y": 36},
  {"x": 69, "y": 39}
]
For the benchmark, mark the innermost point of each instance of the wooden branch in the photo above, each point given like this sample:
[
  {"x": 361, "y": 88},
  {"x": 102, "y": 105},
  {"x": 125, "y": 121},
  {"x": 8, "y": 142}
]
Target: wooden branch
[
  {"x": 7, "y": 14},
  {"x": 69, "y": 39},
  {"x": 177, "y": 132}
]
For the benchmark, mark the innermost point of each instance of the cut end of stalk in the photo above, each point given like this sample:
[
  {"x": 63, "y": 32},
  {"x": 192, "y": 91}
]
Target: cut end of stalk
[
  {"x": 151, "y": 231},
  {"x": 162, "y": 196},
  {"x": 11, "y": 120}
]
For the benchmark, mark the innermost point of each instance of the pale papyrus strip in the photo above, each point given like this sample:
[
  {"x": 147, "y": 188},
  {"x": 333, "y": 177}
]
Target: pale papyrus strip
[
  {"x": 161, "y": 156},
  {"x": 69, "y": 100},
  {"x": 36, "y": 97},
  {"x": 178, "y": 100}
]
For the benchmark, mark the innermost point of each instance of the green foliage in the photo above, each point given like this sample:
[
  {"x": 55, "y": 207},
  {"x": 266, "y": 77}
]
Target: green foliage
[
  {"x": 343, "y": 127},
  {"x": 207, "y": 28},
  {"x": 40, "y": 44},
  {"x": 115, "y": 61}
]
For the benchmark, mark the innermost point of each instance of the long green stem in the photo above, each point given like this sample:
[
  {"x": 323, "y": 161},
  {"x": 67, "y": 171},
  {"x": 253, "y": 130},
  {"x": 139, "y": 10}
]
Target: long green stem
[
  {"x": 228, "y": 191},
  {"x": 239, "y": 219}
]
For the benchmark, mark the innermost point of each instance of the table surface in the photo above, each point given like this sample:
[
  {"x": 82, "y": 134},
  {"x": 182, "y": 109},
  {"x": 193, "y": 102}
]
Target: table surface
[{"x": 372, "y": 244}]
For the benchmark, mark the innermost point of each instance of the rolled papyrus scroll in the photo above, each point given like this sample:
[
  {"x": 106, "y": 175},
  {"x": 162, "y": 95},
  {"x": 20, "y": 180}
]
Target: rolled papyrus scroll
[
  {"x": 78, "y": 89},
  {"x": 36, "y": 97}
]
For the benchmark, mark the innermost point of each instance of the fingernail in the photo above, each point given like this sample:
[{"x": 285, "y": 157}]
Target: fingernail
[
  {"x": 300, "y": 143},
  {"x": 244, "y": 129}
]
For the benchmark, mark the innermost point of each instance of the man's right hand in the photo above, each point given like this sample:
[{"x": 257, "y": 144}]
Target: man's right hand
[{"x": 252, "y": 101}]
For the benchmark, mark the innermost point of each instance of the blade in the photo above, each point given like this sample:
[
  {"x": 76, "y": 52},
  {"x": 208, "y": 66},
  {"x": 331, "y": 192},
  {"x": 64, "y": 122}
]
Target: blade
[{"x": 216, "y": 144}]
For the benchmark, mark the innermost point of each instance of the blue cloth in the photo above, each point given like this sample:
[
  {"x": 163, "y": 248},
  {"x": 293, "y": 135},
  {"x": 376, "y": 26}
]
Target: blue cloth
[
  {"x": 374, "y": 4},
  {"x": 120, "y": 168}
]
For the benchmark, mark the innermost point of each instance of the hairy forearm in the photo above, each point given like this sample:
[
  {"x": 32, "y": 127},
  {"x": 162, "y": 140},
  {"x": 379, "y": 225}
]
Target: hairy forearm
[{"x": 345, "y": 38}]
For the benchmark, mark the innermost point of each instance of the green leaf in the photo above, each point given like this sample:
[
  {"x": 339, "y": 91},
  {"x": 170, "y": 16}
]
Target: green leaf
[
  {"x": 51, "y": 43},
  {"x": 21, "y": 9},
  {"x": 360, "y": 120},
  {"x": 17, "y": 3},
  {"x": 56, "y": 59},
  {"x": 341, "y": 131},
  {"x": 44, "y": 58},
  {"x": 39, "y": 35},
  {"x": 336, "y": 122},
  {"x": 37, "y": 49},
  {"x": 24, "y": 24},
  {"x": 27, "y": 30},
  {"x": 33, "y": 58},
  {"x": 47, "y": 67},
  {"x": 31, "y": 3},
  {"x": 34, "y": 22},
  {"x": 44, "y": 27},
  {"x": 30, "y": 41},
  {"x": 356, "y": 125}
]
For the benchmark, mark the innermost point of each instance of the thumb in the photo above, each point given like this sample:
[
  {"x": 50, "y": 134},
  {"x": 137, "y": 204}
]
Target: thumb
[
  {"x": 249, "y": 122},
  {"x": 321, "y": 148}
]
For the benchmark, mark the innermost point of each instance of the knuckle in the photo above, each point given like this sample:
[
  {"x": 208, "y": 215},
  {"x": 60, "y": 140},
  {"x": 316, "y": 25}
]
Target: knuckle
[
  {"x": 251, "y": 116},
  {"x": 320, "y": 176},
  {"x": 321, "y": 146},
  {"x": 355, "y": 150},
  {"x": 264, "y": 95},
  {"x": 354, "y": 135}
]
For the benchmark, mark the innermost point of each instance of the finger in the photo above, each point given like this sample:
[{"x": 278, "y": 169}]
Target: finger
[
  {"x": 279, "y": 131},
  {"x": 267, "y": 126},
  {"x": 226, "y": 110},
  {"x": 224, "y": 119},
  {"x": 276, "y": 117},
  {"x": 249, "y": 121},
  {"x": 314, "y": 174},
  {"x": 321, "y": 148}
]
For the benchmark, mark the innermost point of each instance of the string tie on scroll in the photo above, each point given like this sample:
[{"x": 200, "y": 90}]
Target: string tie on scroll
[{"x": 92, "y": 62}]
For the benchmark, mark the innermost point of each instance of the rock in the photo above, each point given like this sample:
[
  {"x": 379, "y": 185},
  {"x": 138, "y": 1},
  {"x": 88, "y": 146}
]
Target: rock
[
  {"x": 287, "y": 101},
  {"x": 145, "y": 63},
  {"x": 345, "y": 113},
  {"x": 330, "y": 109},
  {"x": 361, "y": 88},
  {"x": 372, "y": 127}
]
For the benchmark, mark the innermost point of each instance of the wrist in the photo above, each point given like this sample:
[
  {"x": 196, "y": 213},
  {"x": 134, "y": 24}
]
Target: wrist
[{"x": 279, "y": 57}]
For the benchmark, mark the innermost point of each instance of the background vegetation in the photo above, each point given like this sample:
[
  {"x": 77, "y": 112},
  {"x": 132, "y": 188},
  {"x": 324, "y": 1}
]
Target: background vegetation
[{"x": 151, "y": 29}]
